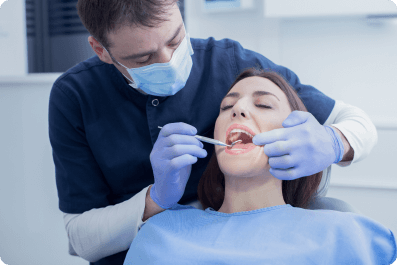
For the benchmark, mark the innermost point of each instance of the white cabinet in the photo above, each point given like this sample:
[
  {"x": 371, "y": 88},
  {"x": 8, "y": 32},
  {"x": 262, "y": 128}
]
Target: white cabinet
[{"x": 316, "y": 8}]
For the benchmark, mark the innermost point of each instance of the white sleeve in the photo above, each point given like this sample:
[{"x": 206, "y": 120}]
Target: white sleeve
[
  {"x": 102, "y": 232},
  {"x": 358, "y": 129}
]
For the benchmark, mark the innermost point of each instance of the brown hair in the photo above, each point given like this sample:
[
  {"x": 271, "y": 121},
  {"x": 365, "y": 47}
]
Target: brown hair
[
  {"x": 100, "y": 17},
  {"x": 297, "y": 193}
]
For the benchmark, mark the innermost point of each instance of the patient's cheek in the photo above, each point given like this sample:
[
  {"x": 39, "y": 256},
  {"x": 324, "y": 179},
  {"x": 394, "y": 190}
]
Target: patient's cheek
[{"x": 265, "y": 157}]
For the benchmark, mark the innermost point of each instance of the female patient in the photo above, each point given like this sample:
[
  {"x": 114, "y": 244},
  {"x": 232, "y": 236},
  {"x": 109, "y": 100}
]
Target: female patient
[{"x": 251, "y": 217}]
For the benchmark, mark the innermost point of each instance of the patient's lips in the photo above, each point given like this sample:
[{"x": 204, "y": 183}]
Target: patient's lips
[{"x": 239, "y": 132}]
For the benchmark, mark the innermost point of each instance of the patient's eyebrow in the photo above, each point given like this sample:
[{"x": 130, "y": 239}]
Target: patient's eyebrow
[{"x": 255, "y": 94}]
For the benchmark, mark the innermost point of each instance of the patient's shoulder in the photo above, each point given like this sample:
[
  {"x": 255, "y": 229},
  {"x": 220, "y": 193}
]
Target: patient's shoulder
[
  {"x": 335, "y": 217},
  {"x": 347, "y": 223},
  {"x": 331, "y": 219},
  {"x": 374, "y": 237}
]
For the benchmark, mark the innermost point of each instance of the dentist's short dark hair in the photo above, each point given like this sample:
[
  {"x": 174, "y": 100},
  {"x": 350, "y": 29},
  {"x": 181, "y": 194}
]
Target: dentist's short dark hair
[
  {"x": 298, "y": 192},
  {"x": 100, "y": 17}
]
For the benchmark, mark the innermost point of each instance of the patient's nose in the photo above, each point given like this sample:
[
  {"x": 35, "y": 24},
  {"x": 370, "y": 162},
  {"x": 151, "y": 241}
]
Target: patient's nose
[
  {"x": 241, "y": 111},
  {"x": 242, "y": 114}
]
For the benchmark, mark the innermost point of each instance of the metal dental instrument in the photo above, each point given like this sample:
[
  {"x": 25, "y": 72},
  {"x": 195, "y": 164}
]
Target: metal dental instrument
[{"x": 212, "y": 141}]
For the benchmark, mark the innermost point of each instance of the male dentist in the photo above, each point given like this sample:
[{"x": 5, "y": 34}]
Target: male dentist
[{"x": 115, "y": 168}]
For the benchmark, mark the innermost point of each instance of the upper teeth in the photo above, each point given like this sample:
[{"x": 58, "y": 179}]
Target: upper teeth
[{"x": 242, "y": 131}]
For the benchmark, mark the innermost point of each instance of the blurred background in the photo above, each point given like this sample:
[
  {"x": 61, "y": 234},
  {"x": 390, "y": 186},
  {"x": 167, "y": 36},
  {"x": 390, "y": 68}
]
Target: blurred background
[{"x": 346, "y": 49}]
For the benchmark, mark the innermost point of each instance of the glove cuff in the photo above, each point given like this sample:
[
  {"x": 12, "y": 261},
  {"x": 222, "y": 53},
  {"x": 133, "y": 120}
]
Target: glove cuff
[
  {"x": 155, "y": 198},
  {"x": 337, "y": 144}
]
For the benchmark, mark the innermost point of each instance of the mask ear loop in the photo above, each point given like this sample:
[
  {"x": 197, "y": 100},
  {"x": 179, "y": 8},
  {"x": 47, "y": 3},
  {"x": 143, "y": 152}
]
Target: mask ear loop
[{"x": 133, "y": 84}]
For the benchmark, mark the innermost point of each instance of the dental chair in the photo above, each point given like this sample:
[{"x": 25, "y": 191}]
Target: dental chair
[
  {"x": 329, "y": 203},
  {"x": 319, "y": 201}
]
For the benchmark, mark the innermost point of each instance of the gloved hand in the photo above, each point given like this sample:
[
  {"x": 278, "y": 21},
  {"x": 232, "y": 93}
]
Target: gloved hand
[
  {"x": 302, "y": 148},
  {"x": 173, "y": 154}
]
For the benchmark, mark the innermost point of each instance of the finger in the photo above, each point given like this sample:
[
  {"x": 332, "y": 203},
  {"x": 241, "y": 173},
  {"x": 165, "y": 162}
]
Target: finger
[
  {"x": 180, "y": 150},
  {"x": 295, "y": 118},
  {"x": 182, "y": 161},
  {"x": 284, "y": 174},
  {"x": 175, "y": 139},
  {"x": 278, "y": 148},
  {"x": 269, "y": 137},
  {"x": 282, "y": 162},
  {"x": 178, "y": 128}
]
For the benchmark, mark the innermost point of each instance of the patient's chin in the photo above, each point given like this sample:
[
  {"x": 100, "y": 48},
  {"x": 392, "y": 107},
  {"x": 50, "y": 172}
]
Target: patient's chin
[
  {"x": 246, "y": 167},
  {"x": 236, "y": 155}
]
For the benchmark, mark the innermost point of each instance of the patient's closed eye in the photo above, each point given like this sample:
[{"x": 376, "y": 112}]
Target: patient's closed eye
[{"x": 258, "y": 105}]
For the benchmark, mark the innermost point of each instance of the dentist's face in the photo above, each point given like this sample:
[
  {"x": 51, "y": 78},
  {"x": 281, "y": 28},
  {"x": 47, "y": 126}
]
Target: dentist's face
[
  {"x": 254, "y": 105},
  {"x": 136, "y": 47}
]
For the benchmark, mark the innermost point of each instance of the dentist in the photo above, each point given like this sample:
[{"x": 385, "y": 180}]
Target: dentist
[{"x": 115, "y": 169}]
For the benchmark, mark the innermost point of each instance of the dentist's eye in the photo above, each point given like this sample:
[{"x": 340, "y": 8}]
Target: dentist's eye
[
  {"x": 148, "y": 59},
  {"x": 175, "y": 44}
]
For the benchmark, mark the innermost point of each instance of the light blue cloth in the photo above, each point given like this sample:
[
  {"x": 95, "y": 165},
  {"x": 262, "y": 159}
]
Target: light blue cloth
[{"x": 274, "y": 235}]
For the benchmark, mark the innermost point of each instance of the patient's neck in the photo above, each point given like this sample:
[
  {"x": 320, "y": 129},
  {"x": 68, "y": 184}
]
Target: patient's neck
[{"x": 251, "y": 193}]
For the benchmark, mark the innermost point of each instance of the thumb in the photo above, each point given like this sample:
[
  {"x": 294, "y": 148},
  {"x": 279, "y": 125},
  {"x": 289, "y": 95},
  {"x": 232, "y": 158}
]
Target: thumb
[
  {"x": 295, "y": 118},
  {"x": 269, "y": 137}
]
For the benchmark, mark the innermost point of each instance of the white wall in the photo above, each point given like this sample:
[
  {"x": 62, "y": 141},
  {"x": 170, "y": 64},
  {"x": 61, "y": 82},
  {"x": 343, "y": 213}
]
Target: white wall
[
  {"x": 249, "y": 27},
  {"x": 352, "y": 60},
  {"x": 31, "y": 225},
  {"x": 348, "y": 58}
]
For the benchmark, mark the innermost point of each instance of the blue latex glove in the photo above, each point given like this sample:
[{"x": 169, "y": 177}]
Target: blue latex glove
[
  {"x": 173, "y": 154},
  {"x": 302, "y": 148}
]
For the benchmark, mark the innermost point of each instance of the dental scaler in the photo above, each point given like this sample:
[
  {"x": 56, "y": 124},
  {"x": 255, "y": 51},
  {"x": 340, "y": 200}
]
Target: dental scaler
[{"x": 212, "y": 141}]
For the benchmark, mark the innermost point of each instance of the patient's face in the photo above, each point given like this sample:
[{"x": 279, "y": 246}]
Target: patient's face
[{"x": 254, "y": 112}]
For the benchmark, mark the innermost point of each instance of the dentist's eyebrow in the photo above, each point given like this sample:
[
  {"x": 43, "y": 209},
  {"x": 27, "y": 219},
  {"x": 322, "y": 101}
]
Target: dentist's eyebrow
[
  {"x": 255, "y": 94},
  {"x": 142, "y": 54}
]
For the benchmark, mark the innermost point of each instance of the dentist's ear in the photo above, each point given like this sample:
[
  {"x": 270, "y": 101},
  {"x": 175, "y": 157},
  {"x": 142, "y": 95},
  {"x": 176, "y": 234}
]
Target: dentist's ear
[{"x": 99, "y": 50}]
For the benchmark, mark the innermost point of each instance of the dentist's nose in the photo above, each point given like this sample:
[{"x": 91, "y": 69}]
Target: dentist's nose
[{"x": 166, "y": 55}]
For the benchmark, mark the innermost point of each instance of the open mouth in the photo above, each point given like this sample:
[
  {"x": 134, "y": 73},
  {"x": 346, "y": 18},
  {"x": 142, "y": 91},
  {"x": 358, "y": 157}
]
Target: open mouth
[{"x": 239, "y": 132}]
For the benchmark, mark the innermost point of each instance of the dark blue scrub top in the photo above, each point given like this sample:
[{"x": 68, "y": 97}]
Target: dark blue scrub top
[{"x": 102, "y": 130}]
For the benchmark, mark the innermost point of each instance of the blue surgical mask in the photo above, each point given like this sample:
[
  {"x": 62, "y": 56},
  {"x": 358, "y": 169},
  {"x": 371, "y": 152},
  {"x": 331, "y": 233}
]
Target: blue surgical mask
[{"x": 165, "y": 79}]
